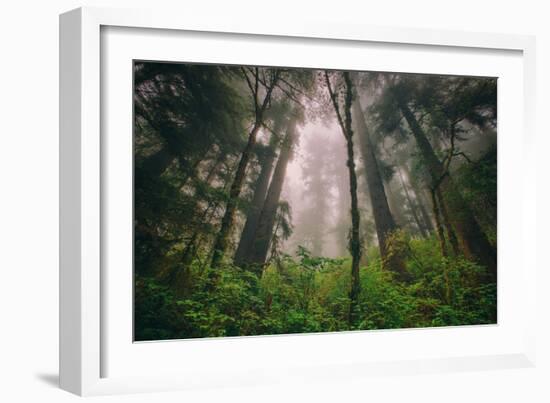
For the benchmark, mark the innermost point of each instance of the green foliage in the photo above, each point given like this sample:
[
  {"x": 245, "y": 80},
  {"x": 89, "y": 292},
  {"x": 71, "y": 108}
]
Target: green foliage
[
  {"x": 478, "y": 184},
  {"x": 310, "y": 294}
]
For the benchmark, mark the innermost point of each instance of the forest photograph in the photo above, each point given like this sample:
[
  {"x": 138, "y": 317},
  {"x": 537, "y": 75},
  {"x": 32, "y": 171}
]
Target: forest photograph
[{"x": 277, "y": 200}]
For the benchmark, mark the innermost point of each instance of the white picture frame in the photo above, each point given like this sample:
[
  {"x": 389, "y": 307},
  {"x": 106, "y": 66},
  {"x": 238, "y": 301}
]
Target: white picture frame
[{"x": 84, "y": 339}]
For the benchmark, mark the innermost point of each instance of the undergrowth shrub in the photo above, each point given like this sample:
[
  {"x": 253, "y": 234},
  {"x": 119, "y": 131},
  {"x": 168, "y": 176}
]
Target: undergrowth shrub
[{"x": 310, "y": 294}]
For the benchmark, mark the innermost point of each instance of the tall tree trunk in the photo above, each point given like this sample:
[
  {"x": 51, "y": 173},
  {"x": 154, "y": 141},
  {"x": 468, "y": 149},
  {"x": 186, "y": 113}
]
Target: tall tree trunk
[
  {"x": 355, "y": 241},
  {"x": 383, "y": 219},
  {"x": 394, "y": 208},
  {"x": 264, "y": 232},
  {"x": 426, "y": 219},
  {"x": 412, "y": 205},
  {"x": 343, "y": 220},
  {"x": 472, "y": 240},
  {"x": 451, "y": 236},
  {"x": 420, "y": 201},
  {"x": 439, "y": 226},
  {"x": 442, "y": 244},
  {"x": 317, "y": 190},
  {"x": 253, "y": 213},
  {"x": 222, "y": 240},
  {"x": 317, "y": 242}
]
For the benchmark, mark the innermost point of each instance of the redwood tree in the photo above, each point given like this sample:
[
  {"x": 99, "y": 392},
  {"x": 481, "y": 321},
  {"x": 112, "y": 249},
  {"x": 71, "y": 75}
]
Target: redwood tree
[
  {"x": 383, "y": 219},
  {"x": 471, "y": 239},
  {"x": 264, "y": 232},
  {"x": 255, "y": 80},
  {"x": 343, "y": 115}
]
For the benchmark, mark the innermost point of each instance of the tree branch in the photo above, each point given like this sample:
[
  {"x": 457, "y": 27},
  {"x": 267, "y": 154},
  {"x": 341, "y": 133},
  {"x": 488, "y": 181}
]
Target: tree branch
[{"x": 335, "y": 103}]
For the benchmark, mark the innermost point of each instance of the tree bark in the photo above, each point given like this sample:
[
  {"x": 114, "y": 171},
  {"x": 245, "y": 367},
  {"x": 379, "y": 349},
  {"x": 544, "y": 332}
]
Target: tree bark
[
  {"x": 222, "y": 240},
  {"x": 396, "y": 213},
  {"x": 345, "y": 123},
  {"x": 262, "y": 238},
  {"x": 426, "y": 219},
  {"x": 355, "y": 243},
  {"x": 420, "y": 202},
  {"x": 451, "y": 236},
  {"x": 253, "y": 214},
  {"x": 471, "y": 239},
  {"x": 442, "y": 245},
  {"x": 383, "y": 219},
  {"x": 439, "y": 226},
  {"x": 412, "y": 207},
  {"x": 343, "y": 220}
]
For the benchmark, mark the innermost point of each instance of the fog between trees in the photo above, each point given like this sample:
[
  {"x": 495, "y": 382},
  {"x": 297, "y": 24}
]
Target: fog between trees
[{"x": 278, "y": 200}]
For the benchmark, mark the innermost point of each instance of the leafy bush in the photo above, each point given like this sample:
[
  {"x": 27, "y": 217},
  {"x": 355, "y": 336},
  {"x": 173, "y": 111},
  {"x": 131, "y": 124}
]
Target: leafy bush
[{"x": 310, "y": 294}]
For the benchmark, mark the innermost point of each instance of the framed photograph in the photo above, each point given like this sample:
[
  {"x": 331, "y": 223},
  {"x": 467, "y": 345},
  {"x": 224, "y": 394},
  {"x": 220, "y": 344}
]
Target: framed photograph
[{"x": 237, "y": 198}]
